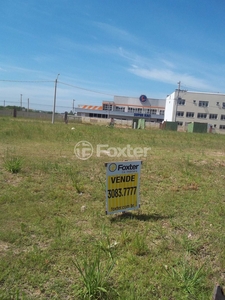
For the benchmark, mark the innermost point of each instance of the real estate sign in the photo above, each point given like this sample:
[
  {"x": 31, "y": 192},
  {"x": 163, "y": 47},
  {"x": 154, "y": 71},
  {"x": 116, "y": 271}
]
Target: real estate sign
[{"x": 122, "y": 186}]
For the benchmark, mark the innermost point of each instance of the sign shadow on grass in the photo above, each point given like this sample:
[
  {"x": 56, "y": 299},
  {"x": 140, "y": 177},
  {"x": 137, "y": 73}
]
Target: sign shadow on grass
[{"x": 141, "y": 217}]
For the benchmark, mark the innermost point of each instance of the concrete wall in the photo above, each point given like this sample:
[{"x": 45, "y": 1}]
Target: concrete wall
[
  {"x": 118, "y": 122},
  {"x": 31, "y": 115},
  {"x": 74, "y": 119}
]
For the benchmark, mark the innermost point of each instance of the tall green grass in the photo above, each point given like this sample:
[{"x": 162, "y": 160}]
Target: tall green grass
[{"x": 55, "y": 236}]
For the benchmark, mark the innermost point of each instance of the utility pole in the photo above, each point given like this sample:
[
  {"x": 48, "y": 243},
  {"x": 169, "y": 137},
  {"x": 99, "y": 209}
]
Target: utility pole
[
  {"x": 73, "y": 105},
  {"x": 28, "y": 106},
  {"x": 54, "y": 103},
  {"x": 21, "y": 102},
  {"x": 4, "y": 103},
  {"x": 177, "y": 99}
]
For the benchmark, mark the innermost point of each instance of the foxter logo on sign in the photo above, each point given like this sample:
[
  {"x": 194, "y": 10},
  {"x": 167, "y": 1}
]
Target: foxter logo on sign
[{"x": 122, "y": 186}]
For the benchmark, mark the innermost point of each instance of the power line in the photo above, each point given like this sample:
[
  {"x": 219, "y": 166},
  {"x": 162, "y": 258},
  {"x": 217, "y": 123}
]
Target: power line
[
  {"x": 5, "y": 80},
  {"x": 77, "y": 87},
  {"x": 71, "y": 85},
  {"x": 32, "y": 103},
  {"x": 88, "y": 90}
]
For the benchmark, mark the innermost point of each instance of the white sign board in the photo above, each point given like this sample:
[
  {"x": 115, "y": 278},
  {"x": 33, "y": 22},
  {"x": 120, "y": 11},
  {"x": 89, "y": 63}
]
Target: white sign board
[{"x": 122, "y": 186}]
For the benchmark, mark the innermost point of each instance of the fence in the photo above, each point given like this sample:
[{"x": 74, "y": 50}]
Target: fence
[
  {"x": 30, "y": 115},
  {"x": 71, "y": 118}
]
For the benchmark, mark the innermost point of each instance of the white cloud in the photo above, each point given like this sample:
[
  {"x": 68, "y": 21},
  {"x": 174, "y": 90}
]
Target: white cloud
[
  {"x": 169, "y": 68},
  {"x": 17, "y": 70},
  {"x": 169, "y": 76},
  {"x": 115, "y": 32},
  {"x": 168, "y": 63},
  {"x": 44, "y": 58}
]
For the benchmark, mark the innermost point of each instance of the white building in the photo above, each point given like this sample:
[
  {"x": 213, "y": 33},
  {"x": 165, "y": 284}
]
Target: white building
[
  {"x": 126, "y": 108},
  {"x": 185, "y": 107}
]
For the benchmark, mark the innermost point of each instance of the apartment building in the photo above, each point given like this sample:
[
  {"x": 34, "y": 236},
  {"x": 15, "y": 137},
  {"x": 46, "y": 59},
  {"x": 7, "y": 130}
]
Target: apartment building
[{"x": 185, "y": 107}]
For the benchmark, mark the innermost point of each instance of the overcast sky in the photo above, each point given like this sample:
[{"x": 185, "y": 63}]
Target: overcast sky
[{"x": 103, "y": 48}]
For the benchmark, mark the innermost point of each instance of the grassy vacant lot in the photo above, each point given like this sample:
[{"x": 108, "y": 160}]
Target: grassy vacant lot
[{"x": 56, "y": 241}]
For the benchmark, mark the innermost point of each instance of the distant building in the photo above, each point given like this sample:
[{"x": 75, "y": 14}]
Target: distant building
[
  {"x": 185, "y": 107},
  {"x": 126, "y": 108}
]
